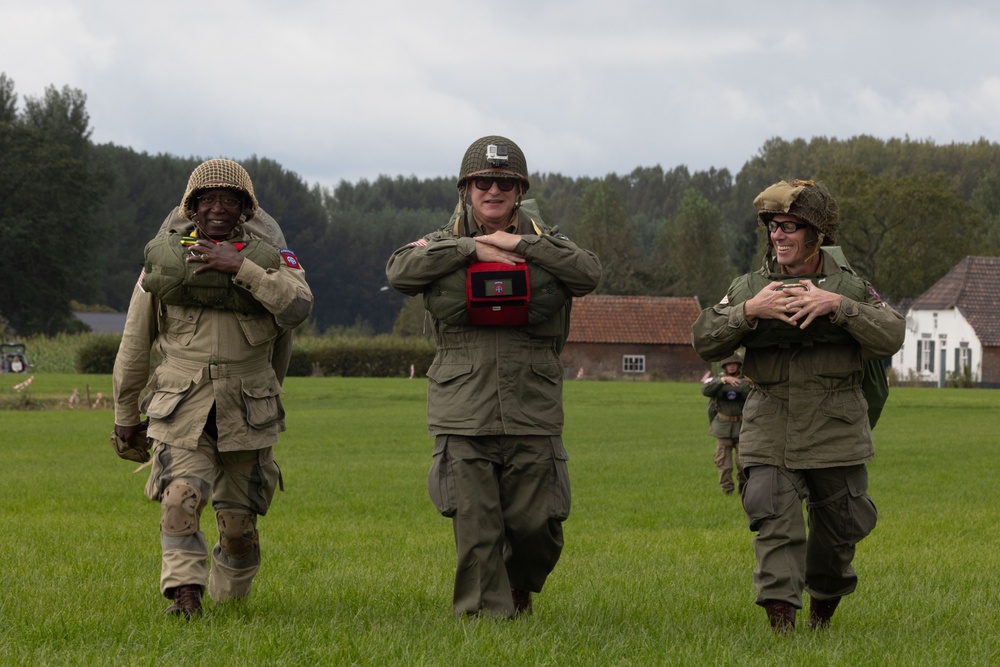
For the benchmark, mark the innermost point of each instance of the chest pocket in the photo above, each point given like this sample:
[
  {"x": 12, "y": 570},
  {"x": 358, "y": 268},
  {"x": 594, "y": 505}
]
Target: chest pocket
[
  {"x": 179, "y": 323},
  {"x": 258, "y": 327}
]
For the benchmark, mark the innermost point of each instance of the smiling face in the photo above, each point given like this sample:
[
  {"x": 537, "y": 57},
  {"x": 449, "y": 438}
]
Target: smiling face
[
  {"x": 791, "y": 250},
  {"x": 218, "y": 211},
  {"x": 493, "y": 208}
]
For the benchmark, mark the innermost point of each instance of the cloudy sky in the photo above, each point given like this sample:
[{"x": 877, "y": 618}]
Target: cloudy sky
[{"x": 351, "y": 89}]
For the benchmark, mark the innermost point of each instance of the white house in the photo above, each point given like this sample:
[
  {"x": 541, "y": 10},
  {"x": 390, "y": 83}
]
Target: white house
[{"x": 954, "y": 326}]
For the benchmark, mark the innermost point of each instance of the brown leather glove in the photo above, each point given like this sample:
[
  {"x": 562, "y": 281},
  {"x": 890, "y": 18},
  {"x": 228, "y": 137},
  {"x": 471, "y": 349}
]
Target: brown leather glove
[{"x": 131, "y": 443}]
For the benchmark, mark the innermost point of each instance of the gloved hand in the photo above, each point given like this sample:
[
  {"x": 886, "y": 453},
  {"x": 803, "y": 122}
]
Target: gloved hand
[{"x": 131, "y": 443}]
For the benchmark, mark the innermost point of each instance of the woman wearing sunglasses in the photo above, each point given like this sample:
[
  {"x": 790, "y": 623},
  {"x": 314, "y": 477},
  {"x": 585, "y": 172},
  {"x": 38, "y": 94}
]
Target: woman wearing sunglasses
[{"x": 494, "y": 401}]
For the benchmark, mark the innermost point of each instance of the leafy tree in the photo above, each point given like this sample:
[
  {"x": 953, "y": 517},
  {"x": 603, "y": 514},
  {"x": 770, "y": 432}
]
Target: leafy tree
[
  {"x": 986, "y": 201},
  {"x": 904, "y": 233},
  {"x": 690, "y": 251},
  {"x": 49, "y": 191},
  {"x": 606, "y": 228},
  {"x": 412, "y": 320},
  {"x": 8, "y": 100}
]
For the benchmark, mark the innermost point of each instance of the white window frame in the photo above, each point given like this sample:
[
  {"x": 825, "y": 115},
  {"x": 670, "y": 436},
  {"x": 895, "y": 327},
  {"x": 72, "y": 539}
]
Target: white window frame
[
  {"x": 633, "y": 363},
  {"x": 963, "y": 357},
  {"x": 926, "y": 355}
]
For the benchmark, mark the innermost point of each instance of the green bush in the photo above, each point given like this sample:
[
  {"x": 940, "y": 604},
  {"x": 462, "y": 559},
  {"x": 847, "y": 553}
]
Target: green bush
[
  {"x": 349, "y": 356},
  {"x": 97, "y": 356},
  {"x": 336, "y": 356}
]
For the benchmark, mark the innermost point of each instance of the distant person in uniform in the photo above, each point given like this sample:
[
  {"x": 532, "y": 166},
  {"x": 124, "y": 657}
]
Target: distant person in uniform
[
  {"x": 494, "y": 400},
  {"x": 218, "y": 296},
  {"x": 808, "y": 324},
  {"x": 727, "y": 393}
]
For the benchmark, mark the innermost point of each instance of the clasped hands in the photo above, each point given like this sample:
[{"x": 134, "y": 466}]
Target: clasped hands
[
  {"x": 797, "y": 304},
  {"x": 222, "y": 256},
  {"x": 498, "y": 247}
]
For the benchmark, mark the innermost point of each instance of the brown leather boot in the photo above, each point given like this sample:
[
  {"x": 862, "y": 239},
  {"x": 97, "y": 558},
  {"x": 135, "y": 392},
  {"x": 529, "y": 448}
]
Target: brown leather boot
[
  {"x": 187, "y": 601},
  {"x": 821, "y": 611},
  {"x": 522, "y": 601},
  {"x": 781, "y": 615}
]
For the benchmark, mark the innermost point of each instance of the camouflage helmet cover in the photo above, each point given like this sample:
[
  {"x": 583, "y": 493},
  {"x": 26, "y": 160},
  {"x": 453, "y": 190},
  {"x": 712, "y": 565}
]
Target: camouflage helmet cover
[
  {"x": 219, "y": 173},
  {"x": 494, "y": 156},
  {"x": 810, "y": 201}
]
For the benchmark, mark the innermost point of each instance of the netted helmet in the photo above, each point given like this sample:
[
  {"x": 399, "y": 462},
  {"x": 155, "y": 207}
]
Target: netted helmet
[
  {"x": 219, "y": 173},
  {"x": 494, "y": 156},
  {"x": 732, "y": 359},
  {"x": 809, "y": 201}
]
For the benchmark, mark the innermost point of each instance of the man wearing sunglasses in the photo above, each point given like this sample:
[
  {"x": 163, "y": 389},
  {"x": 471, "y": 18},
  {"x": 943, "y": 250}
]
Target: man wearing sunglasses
[
  {"x": 809, "y": 324},
  {"x": 218, "y": 295},
  {"x": 497, "y": 283}
]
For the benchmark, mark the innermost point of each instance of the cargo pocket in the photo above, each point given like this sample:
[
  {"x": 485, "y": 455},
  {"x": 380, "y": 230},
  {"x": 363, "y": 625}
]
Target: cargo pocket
[
  {"x": 166, "y": 393},
  {"x": 861, "y": 511},
  {"x": 262, "y": 400},
  {"x": 446, "y": 384},
  {"x": 160, "y": 474},
  {"x": 758, "y": 405},
  {"x": 258, "y": 328},
  {"x": 441, "y": 481},
  {"x": 559, "y": 494},
  {"x": 759, "y": 493},
  {"x": 264, "y": 479}
]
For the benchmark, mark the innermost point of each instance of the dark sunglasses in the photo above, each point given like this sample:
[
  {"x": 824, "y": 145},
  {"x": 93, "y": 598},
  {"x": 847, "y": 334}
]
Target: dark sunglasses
[
  {"x": 484, "y": 183},
  {"x": 231, "y": 203},
  {"x": 788, "y": 226}
]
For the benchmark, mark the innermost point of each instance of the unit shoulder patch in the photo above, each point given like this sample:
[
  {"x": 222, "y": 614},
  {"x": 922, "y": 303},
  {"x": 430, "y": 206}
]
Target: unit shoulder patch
[{"x": 289, "y": 258}]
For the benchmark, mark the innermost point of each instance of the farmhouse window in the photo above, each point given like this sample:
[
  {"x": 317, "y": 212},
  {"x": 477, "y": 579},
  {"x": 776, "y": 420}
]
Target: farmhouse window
[
  {"x": 963, "y": 358},
  {"x": 925, "y": 356},
  {"x": 633, "y": 363}
]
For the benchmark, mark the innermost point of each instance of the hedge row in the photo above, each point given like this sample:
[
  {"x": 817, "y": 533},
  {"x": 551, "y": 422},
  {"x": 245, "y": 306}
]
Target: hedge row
[{"x": 381, "y": 356}]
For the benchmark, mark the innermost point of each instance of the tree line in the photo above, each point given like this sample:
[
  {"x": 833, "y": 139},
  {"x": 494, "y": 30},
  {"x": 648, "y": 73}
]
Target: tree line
[{"x": 75, "y": 216}]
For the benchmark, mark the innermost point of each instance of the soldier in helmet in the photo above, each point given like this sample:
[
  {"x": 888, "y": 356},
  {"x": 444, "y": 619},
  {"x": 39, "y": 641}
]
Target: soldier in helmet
[
  {"x": 727, "y": 393},
  {"x": 497, "y": 283},
  {"x": 808, "y": 323},
  {"x": 218, "y": 296}
]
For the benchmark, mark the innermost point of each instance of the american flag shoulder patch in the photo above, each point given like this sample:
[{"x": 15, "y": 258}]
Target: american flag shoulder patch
[
  {"x": 420, "y": 243},
  {"x": 142, "y": 274}
]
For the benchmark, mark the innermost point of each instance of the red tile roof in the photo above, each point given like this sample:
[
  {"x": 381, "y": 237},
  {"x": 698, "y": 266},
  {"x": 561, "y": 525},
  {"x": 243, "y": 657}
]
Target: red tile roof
[
  {"x": 973, "y": 287},
  {"x": 657, "y": 320}
]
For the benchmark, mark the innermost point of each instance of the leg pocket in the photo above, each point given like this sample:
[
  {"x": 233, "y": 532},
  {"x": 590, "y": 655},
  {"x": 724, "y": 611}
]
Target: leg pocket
[
  {"x": 559, "y": 493},
  {"x": 265, "y": 478},
  {"x": 759, "y": 494},
  {"x": 862, "y": 514},
  {"x": 441, "y": 479}
]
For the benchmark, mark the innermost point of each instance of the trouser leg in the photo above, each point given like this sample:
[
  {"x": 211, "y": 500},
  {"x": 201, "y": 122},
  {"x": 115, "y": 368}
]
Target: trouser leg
[
  {"x": 511, "y": 495},
  {"x": 533, "y": 482},
  {"x": 841, "y": 514},
  {"x": 245, "y": 483},
  {"x": 179, "y": 482},
  {"x": 741, "y": 477},
  {"x": 772, "y": 500},
  {"x": 481, "y": 582},
  {"x": 724, "y": 462}
]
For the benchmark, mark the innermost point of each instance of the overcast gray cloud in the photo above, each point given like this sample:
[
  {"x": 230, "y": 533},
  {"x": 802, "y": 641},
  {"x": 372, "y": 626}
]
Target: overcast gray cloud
[{"x": 337, "y": 90}]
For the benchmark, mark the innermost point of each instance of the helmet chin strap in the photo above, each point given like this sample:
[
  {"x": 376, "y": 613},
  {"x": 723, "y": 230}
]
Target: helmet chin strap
[
  {"x": 770, "y": 255},
  {"x": 819, "y": 246}
]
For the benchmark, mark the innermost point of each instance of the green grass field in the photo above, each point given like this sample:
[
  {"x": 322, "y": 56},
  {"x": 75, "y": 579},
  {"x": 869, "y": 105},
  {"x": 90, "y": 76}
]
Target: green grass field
[{"x": 358, "y": 566}]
